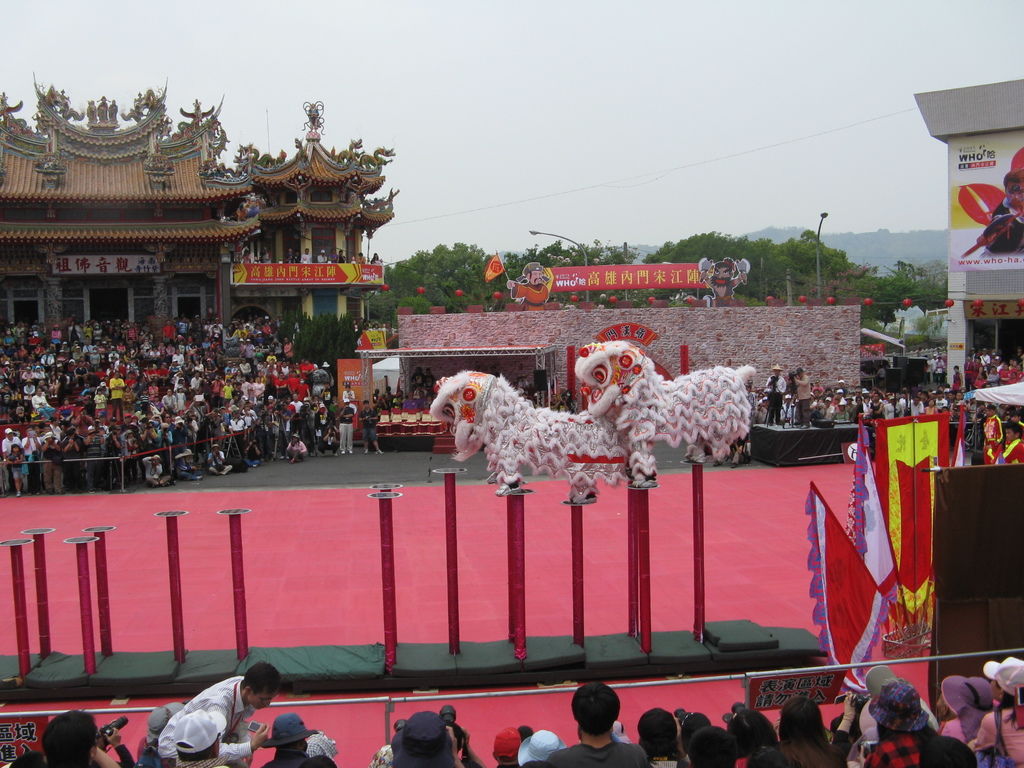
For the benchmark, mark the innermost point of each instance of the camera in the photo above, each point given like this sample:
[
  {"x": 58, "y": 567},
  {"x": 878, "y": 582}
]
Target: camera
[
  {"x": 859, "y": 699},
  {"x": 447, "y": 713},
  {"x": 114, "y": 725},
  {"x": 734, "y": 710}
]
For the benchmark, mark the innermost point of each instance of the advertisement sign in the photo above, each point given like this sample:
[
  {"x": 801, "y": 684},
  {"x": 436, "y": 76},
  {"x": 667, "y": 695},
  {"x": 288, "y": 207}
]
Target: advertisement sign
[
  {"x": 772, "y": 691},
  {"x": 350, "y": 371},
  {"x": 627, "y": 332},
  {"x": 998, "y": 309},
  {"x": 111, "y": 264},
  {"x": 625, "y": 277},
  {"x": 986, "y": 202},
  {"x": 299, "y": 274},
  {"x": 20, "y": 734},
  {"x": 373, "y": 339}
]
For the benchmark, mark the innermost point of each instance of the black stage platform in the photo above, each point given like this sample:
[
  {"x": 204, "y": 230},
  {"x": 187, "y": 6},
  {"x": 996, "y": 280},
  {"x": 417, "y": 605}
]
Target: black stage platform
[{"x": 795, "y": 447}]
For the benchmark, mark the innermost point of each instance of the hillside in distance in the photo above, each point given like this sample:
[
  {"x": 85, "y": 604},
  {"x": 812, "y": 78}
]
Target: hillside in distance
[{"x": 881, "y": 248}]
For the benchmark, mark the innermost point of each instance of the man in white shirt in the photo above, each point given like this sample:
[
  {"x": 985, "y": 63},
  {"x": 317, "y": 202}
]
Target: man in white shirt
[
  {"x": 236, "y": 700},
  {"x": 10, "y": 438}
]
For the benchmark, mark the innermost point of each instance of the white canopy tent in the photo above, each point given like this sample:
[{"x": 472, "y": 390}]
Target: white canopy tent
[{"x": 1011, "y": 394}]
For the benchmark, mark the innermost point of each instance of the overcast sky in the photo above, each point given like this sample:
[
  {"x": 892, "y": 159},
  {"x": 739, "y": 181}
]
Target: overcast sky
[{"x": 660, "y": 115}]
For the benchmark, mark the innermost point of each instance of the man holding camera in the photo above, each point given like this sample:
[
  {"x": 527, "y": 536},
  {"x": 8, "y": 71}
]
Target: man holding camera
[
  {"x": 774, "y": 389},
  {"x": 235, "y": 700}
]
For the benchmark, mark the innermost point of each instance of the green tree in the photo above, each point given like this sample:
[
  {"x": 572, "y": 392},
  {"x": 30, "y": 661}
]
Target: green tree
[{"x": 324, "y": 337}]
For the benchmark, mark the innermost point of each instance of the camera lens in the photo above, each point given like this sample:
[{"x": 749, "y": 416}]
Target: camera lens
[{"x": 448, "y": 714}]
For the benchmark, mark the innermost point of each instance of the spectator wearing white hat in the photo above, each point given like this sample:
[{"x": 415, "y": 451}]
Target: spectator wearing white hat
[
  {"x": 197, "y": 738},
  {"x": 1000, "y": 728},
  {"x": 539, "y": 746}
]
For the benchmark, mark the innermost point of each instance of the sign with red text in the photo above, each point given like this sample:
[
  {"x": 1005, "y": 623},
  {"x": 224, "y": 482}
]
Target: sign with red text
[
  {"x": 772, "y": 691},
  {"x": 20, "y": 734},
  {"x": 350, "y": 372},
  {"x": 113, "y": 264},
  {"x": 300, "y": 274},
  {"x": 979, "y": 309},
  {"x": 627, "y": 332},
  {"x": 625, "y": 277}
]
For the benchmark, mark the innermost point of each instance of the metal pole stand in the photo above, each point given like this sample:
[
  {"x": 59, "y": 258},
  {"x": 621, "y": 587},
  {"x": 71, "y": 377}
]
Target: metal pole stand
[
  {"x": 174, "y": 574},
  {"x": 576, "y": 523},
  {"x": 697, "y": 481},
  {"x": 640, "y": 580},
  {"x": 517, "y": 570},
  {"x": 20, "y": 604},
  {"x": 85, "y": 600},
  {"x": 238, "y": 579},
  {"x": 102, "y": 585},
  {"x": 42, "y": 591},
  {"x": 384, "y": 493},
  {"x": 451, "y": 538}
]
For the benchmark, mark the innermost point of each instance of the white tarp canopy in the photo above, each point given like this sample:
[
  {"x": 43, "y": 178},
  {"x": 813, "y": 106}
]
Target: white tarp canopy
[
  {"x": 1011, "y": 394},
  {"x": 881, "y": 337},
  {"x": 388, "y": 367}
]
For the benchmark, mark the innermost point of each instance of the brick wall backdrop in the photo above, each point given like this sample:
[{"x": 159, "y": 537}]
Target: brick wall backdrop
[{"x": 824, "y": 340}]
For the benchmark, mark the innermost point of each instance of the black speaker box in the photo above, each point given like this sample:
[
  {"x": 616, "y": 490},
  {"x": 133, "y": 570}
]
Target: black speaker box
[{"x": 540, "y": 379}]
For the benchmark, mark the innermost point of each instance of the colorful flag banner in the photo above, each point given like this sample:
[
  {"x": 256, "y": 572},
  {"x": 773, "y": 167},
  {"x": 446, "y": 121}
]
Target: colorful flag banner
[{"x": 494, "y": 268}]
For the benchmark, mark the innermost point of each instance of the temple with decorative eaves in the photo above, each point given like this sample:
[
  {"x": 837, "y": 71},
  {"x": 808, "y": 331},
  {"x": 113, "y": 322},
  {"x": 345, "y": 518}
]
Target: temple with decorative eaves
[{"x": 122, "y": 214}]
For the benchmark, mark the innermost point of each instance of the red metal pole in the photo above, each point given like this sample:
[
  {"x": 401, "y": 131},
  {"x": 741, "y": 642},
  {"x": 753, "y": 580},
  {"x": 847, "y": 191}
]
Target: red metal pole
[
  {"x": 452, "y": 561},
  {"x": 697, "y": 479},
  {"x": 632, "y": 573},
  {"x": 85, "y": 600},
  {"x": 102, "y": 585},
  {"x": 570, "y": 370},
  {"x": 238, "y": 580},
  {"x": 519, "y": 548},
  {"x": 174, "y": 577},
  {"x": 684, "y": 359},
  {"x": 387, "y": 575},
  {"x": 577, "y": 575},
  {"x": 20, "y": 603},
  {"x": 510, "y": 557},
  {"x": 643, "y": 535},
  {"x": 42, "y": 592}
]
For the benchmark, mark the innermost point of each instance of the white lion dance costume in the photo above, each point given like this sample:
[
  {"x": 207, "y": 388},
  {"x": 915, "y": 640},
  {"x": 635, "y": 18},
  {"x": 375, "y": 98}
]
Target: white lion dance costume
[
  {"x": 708, "y": 407},
  {"x": 486, "y": 412}
]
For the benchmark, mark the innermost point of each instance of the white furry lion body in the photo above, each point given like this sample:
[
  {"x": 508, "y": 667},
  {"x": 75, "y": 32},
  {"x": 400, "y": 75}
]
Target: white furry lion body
[
  {"x": 486, "y": 413},
  {"x": 707, "y": 407}
]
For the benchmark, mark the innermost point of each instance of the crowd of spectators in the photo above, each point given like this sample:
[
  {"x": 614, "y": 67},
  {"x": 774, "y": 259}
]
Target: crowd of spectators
[
  {"x": 974, "y": 720},
  {"x": 90, "y": 406}
]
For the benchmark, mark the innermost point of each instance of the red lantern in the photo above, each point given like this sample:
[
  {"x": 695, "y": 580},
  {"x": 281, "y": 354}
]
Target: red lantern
[
  {"x": 802, "y": 299},
  {"x": 1020, "y": 303},
  {"x": 769, "y": 299},
  {"x": 908, "y": 303},
  {"x": 651, "y": 299},
  {"x": 421, "y": 290},
  {"x": 385, "y": 287},
  {"x": 978, "y": 304},
  {"x": 574, "y": 298},
  {"x": 690, "y": 300},
  {"x": 830, "y": 300},
  {"x": 612, "y": 299},
  {"x": 868, "y": 301},
  {"x": 496, "y": 295},
  {"x": 950, "y": 302},
  {"x": 458, "y": 291}
]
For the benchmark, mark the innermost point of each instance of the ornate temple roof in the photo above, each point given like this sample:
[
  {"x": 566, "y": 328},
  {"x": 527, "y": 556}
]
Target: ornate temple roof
[{"x": 173, "y": 232}]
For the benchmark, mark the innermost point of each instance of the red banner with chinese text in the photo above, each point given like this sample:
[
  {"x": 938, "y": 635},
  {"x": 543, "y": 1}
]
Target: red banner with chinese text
[
  {"x": 772, "y": 691},
  {"x": 290, "y": 274},
  {"x": 625, "y": 277},
  {"x": 996, "y": 309},
  {"x": 20, "y": 734}
]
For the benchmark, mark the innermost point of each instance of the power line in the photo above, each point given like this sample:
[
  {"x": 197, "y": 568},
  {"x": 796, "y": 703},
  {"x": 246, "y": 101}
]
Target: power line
[{"x": 658, "y": 175}]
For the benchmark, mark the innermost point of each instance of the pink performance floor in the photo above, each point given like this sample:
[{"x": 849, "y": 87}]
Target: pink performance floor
[{"x": 312, "y": 571}]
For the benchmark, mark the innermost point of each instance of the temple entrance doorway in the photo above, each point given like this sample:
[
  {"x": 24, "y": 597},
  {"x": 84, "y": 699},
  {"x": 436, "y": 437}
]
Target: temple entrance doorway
[{"x": 108, "y": 303}]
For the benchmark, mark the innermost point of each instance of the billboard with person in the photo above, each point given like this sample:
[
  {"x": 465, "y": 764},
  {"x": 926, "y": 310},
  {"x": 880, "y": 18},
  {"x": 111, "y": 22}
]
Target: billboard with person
[{"x": 986, "y": 202}]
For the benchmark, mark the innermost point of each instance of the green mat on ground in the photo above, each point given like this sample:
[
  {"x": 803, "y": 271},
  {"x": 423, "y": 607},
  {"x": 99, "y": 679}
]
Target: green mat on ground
[
  {"x": 604, "y": 651},
  {"x": 552, "y": 653},
  {"x": 58, "y": 670},
  {"x": 738, "y": 635},
  {"x": 321, "y": 662},
  {"x": 486, "y": 658},
  {"x": 421, "y": 659},
  {"x": 207, "y": 666},
  {"x": 135, "y": 669},
  {"x": 9, "y": 665},
  {"x": 796, "y": 641},
  {"x": 677, "y": 648}
]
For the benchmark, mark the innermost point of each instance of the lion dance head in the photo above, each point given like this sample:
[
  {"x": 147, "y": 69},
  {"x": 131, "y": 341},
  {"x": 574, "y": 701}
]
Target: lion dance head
[
  {"x": 459, "y": 401},
  {"x": 607, "y": 373}
]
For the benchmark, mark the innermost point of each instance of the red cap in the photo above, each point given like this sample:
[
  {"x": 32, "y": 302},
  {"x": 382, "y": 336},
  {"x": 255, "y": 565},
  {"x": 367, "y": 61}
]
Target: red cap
[{"x": 506, "y": 744}]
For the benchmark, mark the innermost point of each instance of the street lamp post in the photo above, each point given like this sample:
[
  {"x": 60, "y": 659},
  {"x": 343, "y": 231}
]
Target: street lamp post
[
  {"x": 586, "y": 260},
  {"x": 817, "y": 249}
]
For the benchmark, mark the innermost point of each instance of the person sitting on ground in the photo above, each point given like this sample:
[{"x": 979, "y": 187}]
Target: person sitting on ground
[
  {"x": 289, "y": 735},
  {"x": 296, "y": 450},
  {"x": 217, "y": 462},
  {"x": 236, "y": 698},
  {"x": 902, "y": 726},
  {"x": 595, "y": 707},
  {"x": 658, "y": 730},
  {"x": 712, "y": 747},
  {"x": 70, "y": 741},
  {"x": 184, "y": 469}
]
